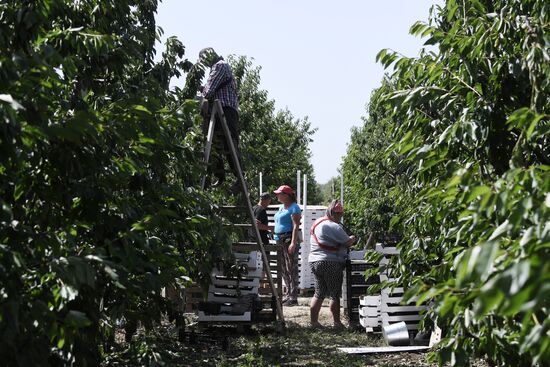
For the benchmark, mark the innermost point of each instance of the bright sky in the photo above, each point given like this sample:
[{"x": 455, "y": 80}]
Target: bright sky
[{"x": 317, "y": 56}]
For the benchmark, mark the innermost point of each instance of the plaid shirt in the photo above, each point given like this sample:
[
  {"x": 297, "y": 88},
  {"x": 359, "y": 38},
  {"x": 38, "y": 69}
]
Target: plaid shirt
[{"x": 220, "y": 73}]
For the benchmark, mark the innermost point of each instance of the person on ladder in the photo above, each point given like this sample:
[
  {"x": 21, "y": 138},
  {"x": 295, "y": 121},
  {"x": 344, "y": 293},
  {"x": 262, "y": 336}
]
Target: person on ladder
[{"x": 221, "y": 85}]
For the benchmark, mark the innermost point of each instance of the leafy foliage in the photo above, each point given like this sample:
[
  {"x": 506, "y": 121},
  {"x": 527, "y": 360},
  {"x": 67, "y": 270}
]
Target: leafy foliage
[
  {"x": 330, "y": 190},
  {"x": 98, "y": 167},
  {"x": 472, "y": 135},
  {"x": 374, "y": 176}
]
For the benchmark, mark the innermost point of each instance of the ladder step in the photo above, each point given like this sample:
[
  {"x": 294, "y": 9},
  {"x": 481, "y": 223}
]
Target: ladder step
[
  {"x": 232, "y": 207},
  {"x": 245, "y": 243},
  {"x": 253, "y": 246},
  {"x": 239, "y": 225}
]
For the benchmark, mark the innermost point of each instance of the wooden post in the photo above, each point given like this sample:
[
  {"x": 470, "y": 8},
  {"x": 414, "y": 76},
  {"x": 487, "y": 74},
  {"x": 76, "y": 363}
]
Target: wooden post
[{"x": 298, "y": 187}]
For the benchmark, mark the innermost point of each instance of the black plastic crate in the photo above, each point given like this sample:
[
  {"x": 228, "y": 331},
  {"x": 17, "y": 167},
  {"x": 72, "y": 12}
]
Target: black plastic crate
[
  {"x": 359, "y": 279},
  {"x": 361, "y": 266}
]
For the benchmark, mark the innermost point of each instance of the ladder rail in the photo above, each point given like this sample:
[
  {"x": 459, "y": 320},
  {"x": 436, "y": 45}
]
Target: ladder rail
[
  {"x": 208, "y": 147},
  {"x": 217, "y": 110}
]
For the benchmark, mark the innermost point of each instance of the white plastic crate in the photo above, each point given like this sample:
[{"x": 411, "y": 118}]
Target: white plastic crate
[
  {"x": 253, "y": 260},
  {"x": 384, "y": 278},
  {"x": 386, "y": 250},
  {"x": 257, "y": 273},
  {"x": 312, "y": 212},
  {"x": 220, "y": 280},
  {"x": 369, "y": 311},
  {"x": 307, "y": 281},
  {"x": 389, "y": 308},
  {"x": 369, "y": 322},
  {"x": 357, "y": 255},
  {"x": 389, "y": 319},
  {"x": 247, "y": 316},
  {"x": 233, "y": 290},
  {"x": 390, "y": 296},
  {"x": 369, "y": 301},
  {"x": 226, "y": 297}
]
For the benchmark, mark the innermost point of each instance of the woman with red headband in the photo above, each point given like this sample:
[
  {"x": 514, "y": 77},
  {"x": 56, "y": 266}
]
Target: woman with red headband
[
  {"x": 287, "y": 235},
  {"x": 327, "y": 259}
]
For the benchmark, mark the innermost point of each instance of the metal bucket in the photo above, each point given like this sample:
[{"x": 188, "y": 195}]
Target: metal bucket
[{"x": 396, "y": 334}]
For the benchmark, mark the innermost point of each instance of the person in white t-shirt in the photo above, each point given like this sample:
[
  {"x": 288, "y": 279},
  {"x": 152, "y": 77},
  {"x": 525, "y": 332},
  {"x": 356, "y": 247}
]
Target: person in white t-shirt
[{"x": 327, "y": 259}]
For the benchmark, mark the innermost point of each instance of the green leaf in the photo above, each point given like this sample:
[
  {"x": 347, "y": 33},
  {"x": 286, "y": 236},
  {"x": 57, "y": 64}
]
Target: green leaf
[
  {"x": 77, "y": 319},
  {"x": 68, "y": 292},
  {"x": 476, "y": 263},
  {"x": 111, "y": 273},
  {"x": 452, "y": 7},
  {"x": 519, "y": 273},
  {"x": 7, "y": 98},
  {"x": 447, "y": 305},
  {"x": 500, "y": 230},
  {"x": 489, "y": 299},
  {"x": 532, "y": 338},
  {"x": 477, "y": 191},
  {"x": 513, "y": 304},
  {"x": 19, "y": 190},
  {"x": 144, "y": 140},
  {"x": 6, "y": 214},
  {"x": 533, "y": 125},
  {"x": 141, "y": 108}
]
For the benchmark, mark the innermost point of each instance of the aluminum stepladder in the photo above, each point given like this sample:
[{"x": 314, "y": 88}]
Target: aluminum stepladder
[{"x": 217, "y": 111}]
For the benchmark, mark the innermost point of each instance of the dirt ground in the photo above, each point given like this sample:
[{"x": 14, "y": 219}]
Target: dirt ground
[
  {"x": 298, "y": 345},
  {"x": 298, "y": 317},
  {"x": 261, "y": 345}
]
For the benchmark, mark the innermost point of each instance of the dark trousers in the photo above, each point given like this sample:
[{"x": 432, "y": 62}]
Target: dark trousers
[{"x": 222, "y": 147}]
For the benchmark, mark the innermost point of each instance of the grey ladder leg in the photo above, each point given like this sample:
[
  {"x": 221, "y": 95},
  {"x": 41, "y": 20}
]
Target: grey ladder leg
[{"x": 208, "y": 148}]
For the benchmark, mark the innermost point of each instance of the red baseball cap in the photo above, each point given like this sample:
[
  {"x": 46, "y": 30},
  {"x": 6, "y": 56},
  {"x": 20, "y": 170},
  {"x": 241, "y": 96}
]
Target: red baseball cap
[
  {"x": 337, "y": 208},
  {"x": 285, "y": 189}
]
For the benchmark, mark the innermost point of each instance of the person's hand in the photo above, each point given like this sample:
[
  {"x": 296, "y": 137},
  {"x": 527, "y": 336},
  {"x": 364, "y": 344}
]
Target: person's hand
[
  {"x": 352, "y": 241},
  {"x": 291, "y": 248}
]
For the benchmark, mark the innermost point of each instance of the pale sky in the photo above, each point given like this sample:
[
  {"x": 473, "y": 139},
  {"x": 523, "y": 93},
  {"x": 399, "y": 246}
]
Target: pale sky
[{"x": 317, "y": 57}]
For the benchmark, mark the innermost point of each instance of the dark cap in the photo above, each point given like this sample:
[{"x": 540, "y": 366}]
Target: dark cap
[{"x": 265, "y": 195}]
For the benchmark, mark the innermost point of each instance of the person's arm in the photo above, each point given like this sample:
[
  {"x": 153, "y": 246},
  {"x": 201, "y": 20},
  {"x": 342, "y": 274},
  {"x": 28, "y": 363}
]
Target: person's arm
[
  {"x": 339, "y": 235},
  {"x": 295, "y": 232},
  {"x": 352, "y": 239},
  {"x": 262, "y": 220},
  {"x": 218, "y": 75},
  {"x": 262, "y": 226}
]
